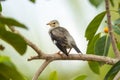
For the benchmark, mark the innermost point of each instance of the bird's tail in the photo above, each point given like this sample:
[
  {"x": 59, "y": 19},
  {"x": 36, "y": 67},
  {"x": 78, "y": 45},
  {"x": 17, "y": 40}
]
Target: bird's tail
[{"x": 76, "y": 48}]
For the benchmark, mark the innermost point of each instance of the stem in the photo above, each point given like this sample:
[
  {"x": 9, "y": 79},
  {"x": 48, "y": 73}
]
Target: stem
[
  {"x": 32, "y": 45},
  {"x": 39, "y": 71},
  {"x": 84, "y": 57},
  {"x": 116, "y": 51}
]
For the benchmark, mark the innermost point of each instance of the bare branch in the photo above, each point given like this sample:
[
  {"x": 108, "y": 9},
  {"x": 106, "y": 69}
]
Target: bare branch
[
  {"x": 32, "y": 45},
  {"x": 42, "y": 67},
  {"x": 53, "y": 57},
  {"x": 116, "y": 51},
  {"x": 85, "y": 57}
]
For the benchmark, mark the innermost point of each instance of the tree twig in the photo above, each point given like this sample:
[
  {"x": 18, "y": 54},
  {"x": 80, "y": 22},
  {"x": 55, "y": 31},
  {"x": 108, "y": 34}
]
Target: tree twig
[
  {"x": 53, "y": 57},
  {"x": 32, "y": 45},
  {"x": 116, "y": 51},
  {"x": 85, "y": 57},
  {"x": 42, "y": 67}
]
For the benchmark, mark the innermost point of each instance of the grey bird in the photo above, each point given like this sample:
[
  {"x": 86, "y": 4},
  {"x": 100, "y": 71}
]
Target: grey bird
[{"x": 62, "y": 38}]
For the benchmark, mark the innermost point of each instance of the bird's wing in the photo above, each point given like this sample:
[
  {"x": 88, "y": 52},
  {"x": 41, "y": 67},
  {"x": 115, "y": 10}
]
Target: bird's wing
[
  {"x": 62, "y": 48},
  {"x": 58, "y": 35}
]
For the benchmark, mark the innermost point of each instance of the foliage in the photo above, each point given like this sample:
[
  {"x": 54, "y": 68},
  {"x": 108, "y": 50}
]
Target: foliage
[
  {"x": 113, "y": 71},
  {"x": 11, "y": 22},
  {"x": 94, "y": 25},
  {"x": 53, "y": 76},
  {"x": 91, "y": 44},
  {"x": 99, "y": 45},
  {"x": 13, "y": 39},
  {"x": 96, "y": 3},
  {"x": 102, "y": 45},
  {"x": 33, "y": 1},
  {"x": 8, "y": 70},
  {"x": 94, "y": 66},
  {"x": 94, "y": 44},
  {"x": 112, "y": 3},
  {"x": 81, "y": 77},
  {"x": 0, "y": 7}
]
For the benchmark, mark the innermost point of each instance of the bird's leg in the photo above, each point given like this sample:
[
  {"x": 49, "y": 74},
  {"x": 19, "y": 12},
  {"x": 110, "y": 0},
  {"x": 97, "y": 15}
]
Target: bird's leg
[
  {"x": 69, "y": 50},
  {"x": 59, "y": 53}
]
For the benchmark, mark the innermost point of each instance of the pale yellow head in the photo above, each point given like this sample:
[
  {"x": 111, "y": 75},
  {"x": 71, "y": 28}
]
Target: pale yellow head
[{"x": 53, "y": 23}]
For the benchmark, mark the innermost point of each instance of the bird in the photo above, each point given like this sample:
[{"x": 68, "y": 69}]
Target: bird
[{"x": 62, "y": 38}]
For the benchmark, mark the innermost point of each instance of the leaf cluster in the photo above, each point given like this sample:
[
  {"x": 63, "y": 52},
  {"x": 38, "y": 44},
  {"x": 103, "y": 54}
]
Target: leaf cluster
[
  {"x": 8, "y": 71},
  {"x": 100, "y": 42}
]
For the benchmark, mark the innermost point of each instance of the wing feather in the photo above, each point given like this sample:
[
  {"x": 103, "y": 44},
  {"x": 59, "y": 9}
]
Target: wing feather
[{"x": 58, "y": 35}]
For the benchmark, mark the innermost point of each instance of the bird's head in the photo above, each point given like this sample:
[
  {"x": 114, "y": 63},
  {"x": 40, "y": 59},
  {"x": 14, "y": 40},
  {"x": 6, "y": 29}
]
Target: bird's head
[{"x": 53, "y": 23}]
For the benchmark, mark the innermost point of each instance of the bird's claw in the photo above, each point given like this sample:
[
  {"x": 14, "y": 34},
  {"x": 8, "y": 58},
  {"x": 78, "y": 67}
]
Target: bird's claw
[{"x": 59, "y": 53}]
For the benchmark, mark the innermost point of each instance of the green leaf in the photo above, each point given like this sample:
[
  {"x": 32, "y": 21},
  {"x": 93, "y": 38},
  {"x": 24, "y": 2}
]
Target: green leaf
[
  {"x": 53, "y": 76},
  {"x": 96, "y": 3},
  {"x": 8, "y": 71},
  {"x": 3, "y": 78},
  {"x": 118, "y": 45},
  {"x": 94, "y": 66},
  {"x": 81, "y": 77},
  {"x": 112, "y": 3},
  {"x": 91, "y": 44},
  {"x": 33, "y": 1},
  {"x": 102, "y": 45},
  {"x": 0, "y": 7},
  {"x": 119, "y": 8},
  {"x": 113, "y": 71},
  {"x": 93, "y": 26},
  {"x": 116, "y": 26},
  {"x": 11, "y": 22},
  {"x": 117, "y": 22},
  {"x": 14, "y": 40},
  {"x": 116, "y": 29}
]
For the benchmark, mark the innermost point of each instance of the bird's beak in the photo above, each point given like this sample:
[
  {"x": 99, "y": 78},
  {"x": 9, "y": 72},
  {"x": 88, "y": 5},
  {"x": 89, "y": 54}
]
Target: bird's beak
[{"x": 48, "y": 24}]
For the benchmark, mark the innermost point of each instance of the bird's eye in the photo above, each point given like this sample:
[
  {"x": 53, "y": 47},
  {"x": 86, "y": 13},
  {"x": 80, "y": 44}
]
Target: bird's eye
[{"x": 54, "y": 23}]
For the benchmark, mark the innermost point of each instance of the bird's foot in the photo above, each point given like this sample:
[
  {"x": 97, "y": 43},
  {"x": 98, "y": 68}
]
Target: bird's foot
[
  {"x": 59, "y": 53},
  {"x": 80, "y": 54}
]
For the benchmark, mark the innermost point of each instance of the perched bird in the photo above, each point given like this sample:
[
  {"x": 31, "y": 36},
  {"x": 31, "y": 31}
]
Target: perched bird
[{"x": 62, "y": 38}]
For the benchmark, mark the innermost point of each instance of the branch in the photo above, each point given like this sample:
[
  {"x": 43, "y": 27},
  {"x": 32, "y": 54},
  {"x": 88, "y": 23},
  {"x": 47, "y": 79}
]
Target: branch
[
  {"x": 32, "y": 45},
  {"x": 42, "y": 67},
  {"x": 116, "y": 51},
  {"x": 85, "y": 57},
  {"x": 53, "y": 57}
]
